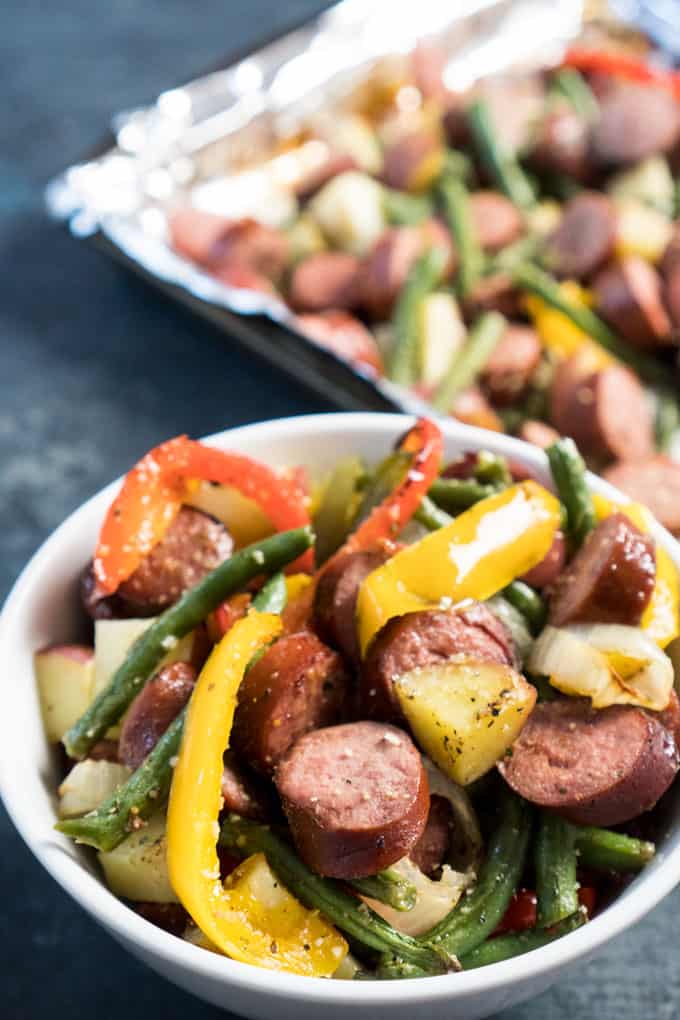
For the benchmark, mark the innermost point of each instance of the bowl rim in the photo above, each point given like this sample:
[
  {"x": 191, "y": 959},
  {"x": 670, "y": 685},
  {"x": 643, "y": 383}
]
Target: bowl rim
[{"x": 127, "y": 926}]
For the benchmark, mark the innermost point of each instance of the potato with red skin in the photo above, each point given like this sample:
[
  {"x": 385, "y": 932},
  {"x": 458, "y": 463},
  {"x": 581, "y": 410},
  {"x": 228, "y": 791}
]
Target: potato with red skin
[
  {"x": 158, "y": 703},
  {"x": 65, "y": 680},
  {"x": 356, "y": 797}
]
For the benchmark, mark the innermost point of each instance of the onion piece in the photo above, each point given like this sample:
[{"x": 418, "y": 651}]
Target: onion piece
[
  {"x": 467, "y": 843},
  {"x": 434, "y": 898},
  {"x": 609, "y": 663}
]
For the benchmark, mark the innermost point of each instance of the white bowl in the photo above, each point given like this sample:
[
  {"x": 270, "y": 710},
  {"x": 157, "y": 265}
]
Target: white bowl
[{"x": 42, "y": 609}]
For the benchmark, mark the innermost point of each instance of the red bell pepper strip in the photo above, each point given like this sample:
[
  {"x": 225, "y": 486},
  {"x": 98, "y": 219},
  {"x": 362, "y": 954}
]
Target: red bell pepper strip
[
  {"x": 155, "y": 488},
  {"x": 521, "y": 912},
  {"x": 622, "y": 65},
  {"x": 147, "y": 504},
  {"x": 424, "y": 441}
]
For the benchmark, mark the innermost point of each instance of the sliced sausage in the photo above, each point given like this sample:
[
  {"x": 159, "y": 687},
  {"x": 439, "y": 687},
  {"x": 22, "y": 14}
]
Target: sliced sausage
[
  {"x": 551, "y": 566},
  {"x": 159, "y": 702},
  {"x": 635, "y": 121},
  {"x": 611, "y": 578},
  {"x": 512, "y": 364},
  {"x": 561, "y": 145},
  {"x": 356, "y": 798},
  {"x": 473, "y": 408},
  {"x": 336, "y": 594},
  {"x": 298, "y": 685},
  {"x": 654, "y": 482},
  {"x": 593, "y": 767},
  {"x": 171, "y": 917},
  {"x": 346, "y": 336},
  {"x": 389, "y": 262},
  {"x": 670, "y": 717},
  {"x": 628, "y": 295},
  {"x": 194, "y": 544},
  {"x": 671, "y": 296},
  {"x": 432, "y": 849},
  {"x": 104, "y": 750},
  {"x": 244, "y": 793},
  {"x": 329, "y": 279},
  {"x": 495, "y": 220},
  {"x": 585, "y": 236},
  {"x": 231, "y": 274},
  {"x": 424, "y": 638},
  {"x": 538, "y": 433},
  {"x": 96, "y": 606},
  {"x": 215, "y": 242},
  {"x": 412, "y": 161},
  {"x": 605, "y": 412},
  {"x": 494, "y": 293}
]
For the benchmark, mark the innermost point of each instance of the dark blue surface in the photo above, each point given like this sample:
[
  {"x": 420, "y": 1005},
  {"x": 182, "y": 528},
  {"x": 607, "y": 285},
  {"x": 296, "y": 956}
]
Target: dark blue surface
[{"x": 94, "y": 369}]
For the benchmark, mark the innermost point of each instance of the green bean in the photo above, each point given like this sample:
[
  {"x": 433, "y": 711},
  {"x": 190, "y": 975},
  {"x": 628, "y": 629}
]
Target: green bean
[
  {"x": 135, "y": 800},
  {"x": 555, "y": 866},
  {"x": 667, "y": 420},
  {"x": 328, "y": 896},
  {"x": 568, "y": 472},
  {"x": 384, "y": 480},
  {"x": 272, "y": 596},
  {"x": 604, "y": 850},
  {"x": 531, "y": 278},
  {"x": 404, "y": 210},
  {"x": 492, "y": 469},
  {"x": 332, "y": 519},
  {"x": 266, "y": 556},
  {"x": 522, "y": 250},
  {"x": 502, "y": 166},
  {"x": 388, "y": 887},
  {"x": 456, "y": 494},
  {"x": 476, "y": 916},
  {"x": 505, "y": 947},
  {"x": 458, "y": 215},
  {"x": 482, "y": 340},
  {"x": 528, "y": 602},
  {"x": 573, "y": 86},
  {"x": 458, "y": 164},
  {"x": 431, "y": 516},
  {"x": 423, "y": 277},
  {"x": 544, "y": 689}
]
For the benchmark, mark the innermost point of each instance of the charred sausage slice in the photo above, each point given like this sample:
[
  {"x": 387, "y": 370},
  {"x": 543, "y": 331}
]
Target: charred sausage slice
[
  {"x": 635, "y": 121},
  {"x": 551, "y": 566},
  {"x": 510, "y": 368},
  {"x": 152, "y": 711},
  {"x": 654, "y": 482},
  {"x": 422, "y": 639},
  {"x": 562, "y": 145},
  {"x": 628, "y": 294},
  {"x": 346, "y": 336},
  {"x": 495, "y": 220},
  {"x": 298, "y": 685},
  {"x": 336, "y": 598},
  {"x": 216, "y": 242},
  {"x": 592, "y": 767},
  {"x": 356, "y": 798},
  {"x": 585, "y": 237},
  {"x": 432, "y": 849},
  {"x": 194, "y": 544},
  {"x": 412, "y": 161},
  {"x": 611, "y": 578},
  {"x": 605, "y": 412},
  {"x": 329, "y": 279},
  {"x": 494, "y": 293},
  {"x": 245, "y": 793}
]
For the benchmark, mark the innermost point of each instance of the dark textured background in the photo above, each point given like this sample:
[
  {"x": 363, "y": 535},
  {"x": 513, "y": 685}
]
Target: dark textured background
[{"x": 94, "y": 369}]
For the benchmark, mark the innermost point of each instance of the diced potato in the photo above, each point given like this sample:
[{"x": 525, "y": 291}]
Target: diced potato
[
  {"x": 244, "y": 518},
  {"x": 641, "y": 230},
  {"x": 441, "y": 335},
  {"x": 137, "y": 868},
  {"x": 544, "y": 217},
  {"x": 88, "y": 784},
  {"x": 465, "y": 715},
  {"x": 65, "y": 677},
  {"x": 305, "y": 238},
  {"x": 649, "y": 181},
  {"x": 113, "y": 640},
  {"x": 349, "y": 210},
  {"x": 352, "y": 135}
]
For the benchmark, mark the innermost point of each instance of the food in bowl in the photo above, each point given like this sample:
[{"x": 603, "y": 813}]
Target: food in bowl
[
  {"x": 509, "y": 254},
  {"x": 434, "y": 726}
]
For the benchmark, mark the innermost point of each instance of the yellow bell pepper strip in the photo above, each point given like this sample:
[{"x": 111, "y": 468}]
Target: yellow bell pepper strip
[
  {"x": 475, "y": 556},
  {"x": 284, "y": 936},
  {"x": 558, "y": 334},
  {"x": 661, "y": 618}
]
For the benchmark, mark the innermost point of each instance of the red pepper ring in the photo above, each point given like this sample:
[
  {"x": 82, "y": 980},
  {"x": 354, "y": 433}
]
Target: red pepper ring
[
  {"x": 621, "y": 65},
  {"x": 387, "y": 521},
  {"x": 155, "y": 488}
]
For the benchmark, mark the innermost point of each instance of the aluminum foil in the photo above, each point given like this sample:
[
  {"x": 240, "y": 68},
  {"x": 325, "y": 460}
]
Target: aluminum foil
[{"x": 212, "y": 139}]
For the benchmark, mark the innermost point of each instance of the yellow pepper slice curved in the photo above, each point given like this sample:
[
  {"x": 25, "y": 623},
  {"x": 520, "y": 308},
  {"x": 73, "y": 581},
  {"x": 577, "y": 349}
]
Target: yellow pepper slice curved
[
  {"x": 558, "y": 334},
  {"x": 661, "y": 618},
  {"x": 475, "y": 556},
  {"x": 282, "y": 935}
]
